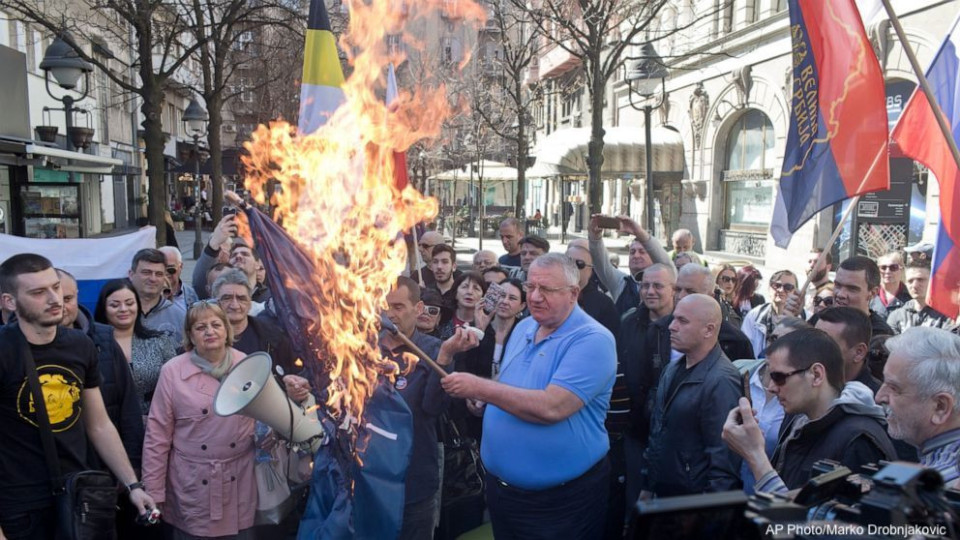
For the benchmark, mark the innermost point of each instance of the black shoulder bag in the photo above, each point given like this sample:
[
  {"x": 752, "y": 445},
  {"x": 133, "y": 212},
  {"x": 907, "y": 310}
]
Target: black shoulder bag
[
  {"x": 86, "y": 501},
  {"x": 463, "y": 472}
]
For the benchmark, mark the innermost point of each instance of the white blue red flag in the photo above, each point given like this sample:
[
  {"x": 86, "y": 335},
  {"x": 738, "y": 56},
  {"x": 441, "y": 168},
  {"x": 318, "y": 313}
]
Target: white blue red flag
[{"x": 918, "y": 136}]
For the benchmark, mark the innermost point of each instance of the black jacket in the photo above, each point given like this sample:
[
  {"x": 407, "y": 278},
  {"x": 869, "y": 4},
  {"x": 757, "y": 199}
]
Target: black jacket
[
  {"x": 117, "y": 387},
  {"x": 853, "y": 433},
  {"x": 686, "y": 454},
  {"x": 600, "y": 307},
  {"x": 273, "y": 341},
  {"x": 734, "y": 342},
  {"x": 643, "y": 347}
]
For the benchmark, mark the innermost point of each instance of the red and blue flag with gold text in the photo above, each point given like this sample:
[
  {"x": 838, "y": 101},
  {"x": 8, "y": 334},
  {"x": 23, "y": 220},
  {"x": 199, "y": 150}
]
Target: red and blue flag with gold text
[
  {"x": 837, "y": 143},
  {"x": 918, "y": 136}
]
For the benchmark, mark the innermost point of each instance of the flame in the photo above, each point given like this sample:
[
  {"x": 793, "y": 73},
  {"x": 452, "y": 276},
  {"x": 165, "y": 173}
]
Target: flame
[{"x": 339, "y": 202}]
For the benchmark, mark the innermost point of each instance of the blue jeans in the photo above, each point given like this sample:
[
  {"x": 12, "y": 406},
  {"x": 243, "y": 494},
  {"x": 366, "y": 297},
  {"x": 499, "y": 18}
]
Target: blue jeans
[{"x": 576, "y": 509}]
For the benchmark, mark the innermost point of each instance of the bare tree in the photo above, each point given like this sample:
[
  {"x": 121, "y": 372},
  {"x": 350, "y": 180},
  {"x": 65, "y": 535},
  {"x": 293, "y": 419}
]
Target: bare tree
[
  {"x": 599, "y": 33},
  {"x": 506, "y": 111},
  {"x": 223, "y": 28}
]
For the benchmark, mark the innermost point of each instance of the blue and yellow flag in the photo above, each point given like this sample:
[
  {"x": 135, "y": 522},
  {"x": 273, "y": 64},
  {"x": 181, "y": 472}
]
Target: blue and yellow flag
[{"x": 320, "y": 92}]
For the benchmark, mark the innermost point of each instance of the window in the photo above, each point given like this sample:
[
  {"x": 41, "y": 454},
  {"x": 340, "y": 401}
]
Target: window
[{"x": 748, "y": 179}]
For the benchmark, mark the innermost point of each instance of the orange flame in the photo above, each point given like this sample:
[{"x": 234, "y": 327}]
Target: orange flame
[{"x": 339, "y": 202}]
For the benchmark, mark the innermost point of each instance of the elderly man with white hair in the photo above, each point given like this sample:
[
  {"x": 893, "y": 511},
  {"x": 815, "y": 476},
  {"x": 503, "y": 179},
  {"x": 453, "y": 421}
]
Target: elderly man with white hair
[
  {"x": 544, "y": 441},
  {"x": 182, "y": 294},
  {"x": 921, "y": 383},
  {"x": 484, "y": 259}
]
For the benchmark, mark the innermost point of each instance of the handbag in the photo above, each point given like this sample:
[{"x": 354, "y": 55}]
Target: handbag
[
  {"x": 86, "y": 501},
  {"x": 463, "y": 472},
  {"x": 274, "y": 500}
]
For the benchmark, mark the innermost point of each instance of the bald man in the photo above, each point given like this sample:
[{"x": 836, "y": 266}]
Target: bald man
[
  {"x": 686, "y": 454},
  {"x": 696, "y": 279},
  {"x": 484, "y": 259},
  {"x": 427, "y": 242}
]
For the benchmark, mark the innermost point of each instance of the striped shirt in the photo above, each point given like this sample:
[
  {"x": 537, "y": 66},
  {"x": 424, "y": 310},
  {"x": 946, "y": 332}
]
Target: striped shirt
[
  {"x": 941, "y": 453},
  {"x": 618, "y": 414}
]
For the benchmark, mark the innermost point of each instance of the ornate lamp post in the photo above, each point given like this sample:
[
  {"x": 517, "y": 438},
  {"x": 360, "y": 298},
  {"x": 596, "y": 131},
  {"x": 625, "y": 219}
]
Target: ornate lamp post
[
  {"x": 195, "y": 120},
  {"x": 648, "y": 78},
  {"x": 61, "y": 60}
]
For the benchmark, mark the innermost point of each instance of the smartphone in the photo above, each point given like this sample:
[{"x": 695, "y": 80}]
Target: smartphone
[
  {"x": 229, "y": 210},
  {"x": 607, "y": 222},
  {"x": 495, "y": 293}
]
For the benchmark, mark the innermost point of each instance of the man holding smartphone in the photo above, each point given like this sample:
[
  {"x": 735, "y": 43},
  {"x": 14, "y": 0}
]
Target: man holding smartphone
[{"x": 645, "y": 250}]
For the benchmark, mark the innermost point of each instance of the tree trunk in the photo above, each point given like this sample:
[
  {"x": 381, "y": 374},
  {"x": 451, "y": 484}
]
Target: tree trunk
[
  {"x": 156, "y": 174},
  {"x": 595, "y": 153},
  {"x": 214, "y": 109},
  {"x": 522, "y": 151}
]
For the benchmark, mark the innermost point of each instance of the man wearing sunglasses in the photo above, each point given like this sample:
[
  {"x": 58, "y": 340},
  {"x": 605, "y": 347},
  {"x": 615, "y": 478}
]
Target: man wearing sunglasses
[
  {"x": 827, "y": 418},
  {"x": 595, "y": 303},
  {"x": 182, "y": 294},
  {"x": 892, "y": 294},
  {"x": 856, "y": 283}
]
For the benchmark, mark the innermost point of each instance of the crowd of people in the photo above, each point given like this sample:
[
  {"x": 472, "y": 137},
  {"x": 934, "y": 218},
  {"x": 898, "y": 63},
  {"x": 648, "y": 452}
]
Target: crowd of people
[{"x": 591, "y": 387}]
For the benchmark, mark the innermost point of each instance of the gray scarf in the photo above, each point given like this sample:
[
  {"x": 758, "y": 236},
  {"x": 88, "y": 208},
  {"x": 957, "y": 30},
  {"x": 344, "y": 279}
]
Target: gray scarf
[{"x": 215, "y": 371}]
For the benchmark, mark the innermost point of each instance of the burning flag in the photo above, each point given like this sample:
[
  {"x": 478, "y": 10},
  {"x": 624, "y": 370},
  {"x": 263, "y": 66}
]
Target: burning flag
[{"x": 339, "y": 253}]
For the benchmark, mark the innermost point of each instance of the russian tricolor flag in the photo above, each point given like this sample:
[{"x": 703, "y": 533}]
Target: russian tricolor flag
[
  {"x": 919, "y": 137},
  {"x": 837, "y": 143},
  {"x": 320, "y": 90},
  {"x": 93, "y": 261}
]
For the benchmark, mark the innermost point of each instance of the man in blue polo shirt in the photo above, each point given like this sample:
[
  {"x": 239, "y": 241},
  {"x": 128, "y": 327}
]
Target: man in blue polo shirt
[{"x": 544, "y": 440}]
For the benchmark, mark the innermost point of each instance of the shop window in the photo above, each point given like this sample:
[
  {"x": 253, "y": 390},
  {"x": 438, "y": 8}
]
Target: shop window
[{"x": 748, "y": 176}]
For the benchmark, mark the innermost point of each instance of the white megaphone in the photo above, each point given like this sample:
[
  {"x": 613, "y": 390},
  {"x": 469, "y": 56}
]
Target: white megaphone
[{"x": 250, "y": 389}]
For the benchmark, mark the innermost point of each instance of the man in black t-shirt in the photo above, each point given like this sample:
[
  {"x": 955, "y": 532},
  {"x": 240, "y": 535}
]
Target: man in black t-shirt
[{"x": 66, "y": 363}]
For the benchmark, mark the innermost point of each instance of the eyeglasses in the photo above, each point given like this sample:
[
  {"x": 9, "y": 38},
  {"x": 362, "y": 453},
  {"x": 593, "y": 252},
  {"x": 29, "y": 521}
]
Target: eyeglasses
[
  {"x": 432, "y": 311},
  {"x": 777, "y": 286},
  {"x": 825, "y": 300},
  {"x": 581, "y": 264},
  {"x": 727, "y": 279},
  {"x": 890, "y": 267},
  {"x": 779, "y": 378},
  {"x": 531, "y": 288},
  {"x": 228, "y": 298},
  {"x": 652, "y": 285},
  {"x": 172, "y": 270}
]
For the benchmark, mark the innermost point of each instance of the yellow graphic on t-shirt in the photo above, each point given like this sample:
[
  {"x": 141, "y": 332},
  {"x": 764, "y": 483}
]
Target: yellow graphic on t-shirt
[
  {"x": 59, "y": 397},
  {"x": 61, "y": 390}
]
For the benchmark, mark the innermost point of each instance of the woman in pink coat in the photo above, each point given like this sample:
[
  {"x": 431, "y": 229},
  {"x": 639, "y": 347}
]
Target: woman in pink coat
[{"x": 199, "y": 466}]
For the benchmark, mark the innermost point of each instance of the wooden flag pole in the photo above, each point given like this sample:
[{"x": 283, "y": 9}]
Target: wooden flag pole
[{"x": 924, "y": 85}]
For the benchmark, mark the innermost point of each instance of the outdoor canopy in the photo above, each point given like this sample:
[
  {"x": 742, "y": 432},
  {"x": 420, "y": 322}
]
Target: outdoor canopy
[{"x": 564, "y": 152}]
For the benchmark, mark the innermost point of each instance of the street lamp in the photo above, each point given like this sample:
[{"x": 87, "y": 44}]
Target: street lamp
[
  {"x": 195, "y": 119},
  {"x": 67, "y": 68},
  {"x": 649, "y": 76}
]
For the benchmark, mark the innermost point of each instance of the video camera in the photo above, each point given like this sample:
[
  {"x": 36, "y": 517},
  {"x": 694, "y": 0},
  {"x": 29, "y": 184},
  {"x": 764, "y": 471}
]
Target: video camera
[{"x": 899, "y": 500}]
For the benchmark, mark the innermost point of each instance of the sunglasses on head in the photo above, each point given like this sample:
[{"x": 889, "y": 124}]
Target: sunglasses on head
[
  {"x": 433, "y": 311},
  {"x": 825, "y": 300},
  {"x": 777, "y": 286},
  {"x": 581, "y": 264},
  {"x": 779, "y": 378}
]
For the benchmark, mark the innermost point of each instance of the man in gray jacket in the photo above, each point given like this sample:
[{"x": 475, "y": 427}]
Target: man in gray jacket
[{"x": 644, "y": 251}]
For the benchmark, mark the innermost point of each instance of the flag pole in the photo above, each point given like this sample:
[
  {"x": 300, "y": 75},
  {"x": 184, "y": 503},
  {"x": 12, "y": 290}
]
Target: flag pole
[
  {"x": 843, "y": 219},
  {"x": 416, "y": 257},
  {"x": 924, "y": 85}
]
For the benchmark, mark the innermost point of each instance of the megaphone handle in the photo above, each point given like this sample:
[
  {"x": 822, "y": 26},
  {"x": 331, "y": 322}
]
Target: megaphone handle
[{"x": 420, "y": 354}]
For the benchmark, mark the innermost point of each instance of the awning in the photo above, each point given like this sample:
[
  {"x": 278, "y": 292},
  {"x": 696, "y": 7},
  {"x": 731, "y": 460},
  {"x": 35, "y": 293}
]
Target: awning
[
  {"x": 564, "y": 152},
  {"x": 492, "y": 171},
  {"x": 90, "y": 163}
]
